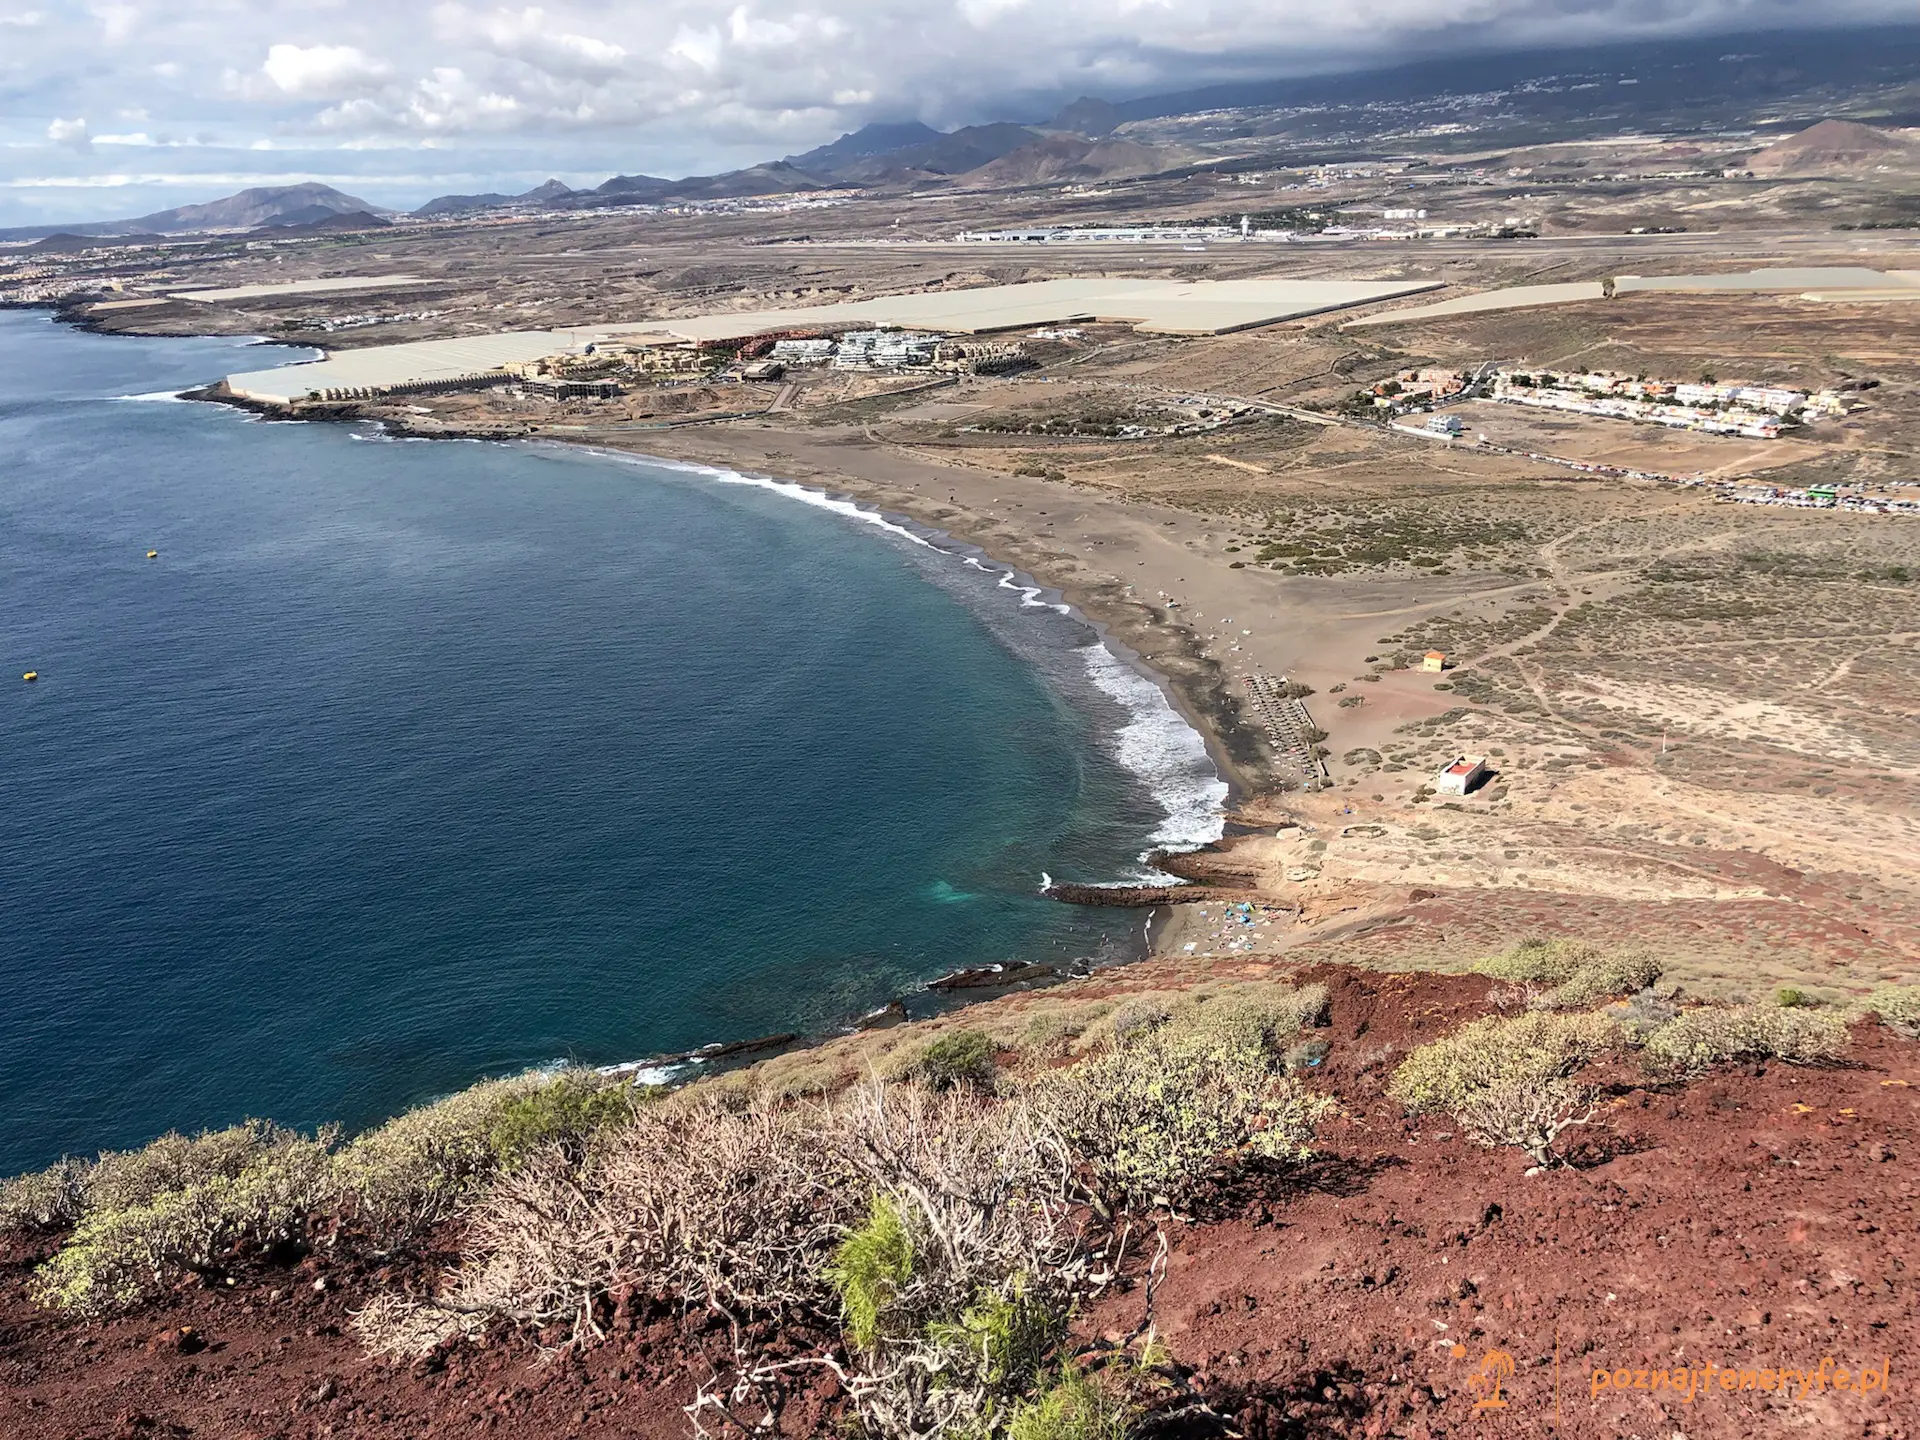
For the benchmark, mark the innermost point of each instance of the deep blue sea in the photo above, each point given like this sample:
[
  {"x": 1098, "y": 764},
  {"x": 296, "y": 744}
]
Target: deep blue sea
[{"x": 406, "y": 763}]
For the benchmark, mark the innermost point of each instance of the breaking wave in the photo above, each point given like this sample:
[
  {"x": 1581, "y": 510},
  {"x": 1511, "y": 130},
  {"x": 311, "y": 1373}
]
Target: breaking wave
[{"x": 1165, "y": 752}]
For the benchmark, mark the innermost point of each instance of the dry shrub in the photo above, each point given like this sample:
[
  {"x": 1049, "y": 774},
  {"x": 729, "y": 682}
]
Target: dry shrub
[
  {"x": 1447, "y": 1075},
  {"x": 960, "y": 1282},
  {"x": 1696, "y": 1040},
  {"x": 953, "y": 1287},
  {"x": 413, "y": 1172},
  {"x": 1530, "y": 1113},
  {"x": 143, "y": 1218},
  {"x": 49, "y": 1199},
  {"x": 1640, "y": 1015},
  {"x": 730, "y": 1211},
  {"x": 397, "y": 1326},
  {"x": 1898, "y": 1007},
  {"x": 943, "y": 1230}
]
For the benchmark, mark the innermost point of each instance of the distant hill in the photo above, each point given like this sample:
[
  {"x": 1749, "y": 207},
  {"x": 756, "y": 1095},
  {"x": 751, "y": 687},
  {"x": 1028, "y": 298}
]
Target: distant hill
[
  {"x": 65, "y": 242},
  {"x": 640, "y": 188},
  {"x": 547, "y": 193},
  {"x": 1829, "y": 147},
  {"x": 250, "y": 209},
  {"x": 862, "y": 144},
  {"x": 322, "y": 222},
  {"x": 1065, "y": 158},
  {"x": 958, "y": 153},
  {"x": 302, "y": 204},
  {"x": 776, "y": 177},
  {"x": 1087, "y": 116}
]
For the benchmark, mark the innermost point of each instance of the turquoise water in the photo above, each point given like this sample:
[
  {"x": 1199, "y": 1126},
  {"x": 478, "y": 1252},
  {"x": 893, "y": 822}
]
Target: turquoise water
[{"x": 406, "y": 763}]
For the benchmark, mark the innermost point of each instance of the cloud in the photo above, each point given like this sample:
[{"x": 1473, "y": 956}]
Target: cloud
[
  {"x": 538, "y": 40},
  {"x": 322, "y": 72},
  {"x": 70, "y": 133}
]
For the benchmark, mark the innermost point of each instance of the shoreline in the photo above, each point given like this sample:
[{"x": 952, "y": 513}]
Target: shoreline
[
  {"x": 952, "y": 990},
  {"x": 1008, "y": 523}
]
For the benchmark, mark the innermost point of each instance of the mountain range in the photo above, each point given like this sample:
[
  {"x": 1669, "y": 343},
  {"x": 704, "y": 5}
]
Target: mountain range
[{"x": 1676, "y": 85}]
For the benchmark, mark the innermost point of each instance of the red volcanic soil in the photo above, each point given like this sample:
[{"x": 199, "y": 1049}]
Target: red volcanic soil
[{"x": 1756, "y": 1222}]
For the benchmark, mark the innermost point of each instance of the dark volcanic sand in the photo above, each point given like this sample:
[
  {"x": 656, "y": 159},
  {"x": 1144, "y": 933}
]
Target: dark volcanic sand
[{"x": 1763, "y": 1217}]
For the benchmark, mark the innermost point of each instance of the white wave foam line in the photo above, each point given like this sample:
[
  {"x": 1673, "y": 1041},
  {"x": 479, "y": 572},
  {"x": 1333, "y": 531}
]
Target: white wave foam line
[
  {"x": 1167, "y": 753},
  {"x": 154, "y": 397},
  {"x": 1030, "y": 595},
  {"x": 641, "y": 1073},
  {"x": 817, "y": 498}
]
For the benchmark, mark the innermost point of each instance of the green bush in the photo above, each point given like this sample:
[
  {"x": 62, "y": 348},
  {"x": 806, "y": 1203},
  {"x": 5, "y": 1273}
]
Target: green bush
[
  {"x": 870, "y": 1269},
  {"x": 962, "y": 1060},
  {"x": 1138, "y": 1016},
  {"x": 1146, "y": 1122},
  {"x": 1256, "y": 1018},
  {"x": 1442, "y": 1078},
  {"x": 117, "y": 1256},
  {"x": 65, "y": 1193},
  {"x": 1788, "y": 998},
  {"x": 1049, "y": 1034},
  {"x": 1074, "y": 1406},
  {"x": 1602, "y": 977},
  {"x": 1538, "y": 962},
  {"x": 1006, "y": 1335},
  {"x": 1898, "y": 1007},
  {"x": 174, "y": 1162},
  {"x": 1696, "y": 1040},
  {"x": 567, "y": 1113}
]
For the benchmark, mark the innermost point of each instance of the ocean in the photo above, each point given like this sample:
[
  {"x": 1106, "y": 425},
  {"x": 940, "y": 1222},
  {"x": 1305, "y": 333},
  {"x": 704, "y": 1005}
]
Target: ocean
[{"x": 406, "y": 763}]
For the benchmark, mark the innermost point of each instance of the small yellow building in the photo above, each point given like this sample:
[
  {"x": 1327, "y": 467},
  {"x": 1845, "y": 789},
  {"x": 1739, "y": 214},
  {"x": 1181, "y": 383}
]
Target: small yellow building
[{"x": 1434, "y": 661}]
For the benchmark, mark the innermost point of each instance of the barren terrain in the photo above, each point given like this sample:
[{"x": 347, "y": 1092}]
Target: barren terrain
[{"x": 1699, "y": 717}]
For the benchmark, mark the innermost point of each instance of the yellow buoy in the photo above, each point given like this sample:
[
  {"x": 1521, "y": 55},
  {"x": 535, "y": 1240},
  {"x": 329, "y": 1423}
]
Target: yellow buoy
[
  {"x": 31, "y": 676},
  {"x": 153, "y": 554}
]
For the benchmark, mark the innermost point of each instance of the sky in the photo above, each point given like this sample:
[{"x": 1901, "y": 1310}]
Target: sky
[{"x": 118, "y": 108}]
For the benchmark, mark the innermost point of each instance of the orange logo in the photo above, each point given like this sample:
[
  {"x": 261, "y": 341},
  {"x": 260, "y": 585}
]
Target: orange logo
[{"x": 1495, "y": 1368}]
